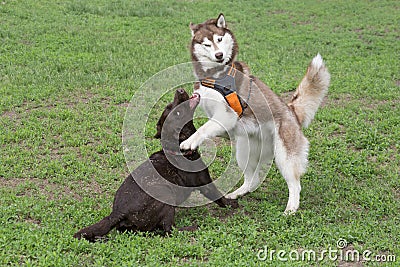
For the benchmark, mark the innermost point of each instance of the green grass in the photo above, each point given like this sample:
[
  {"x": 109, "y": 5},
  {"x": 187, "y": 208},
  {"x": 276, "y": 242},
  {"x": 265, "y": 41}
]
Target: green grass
[{"x": 68, "y": 70}]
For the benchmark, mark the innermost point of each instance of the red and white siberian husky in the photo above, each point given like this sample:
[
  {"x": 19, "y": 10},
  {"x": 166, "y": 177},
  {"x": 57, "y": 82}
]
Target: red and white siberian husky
[{"x": 243, "y": 106}]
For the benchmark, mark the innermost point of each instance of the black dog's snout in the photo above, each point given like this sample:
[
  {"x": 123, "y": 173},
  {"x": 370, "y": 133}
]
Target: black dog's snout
[{"x": 219, "y": 55}]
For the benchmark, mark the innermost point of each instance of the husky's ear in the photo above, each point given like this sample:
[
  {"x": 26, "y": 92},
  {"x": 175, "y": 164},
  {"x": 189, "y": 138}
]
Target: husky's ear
[
  {"x": 193, "y": 28},
  {"x": 221, "y": 21}
]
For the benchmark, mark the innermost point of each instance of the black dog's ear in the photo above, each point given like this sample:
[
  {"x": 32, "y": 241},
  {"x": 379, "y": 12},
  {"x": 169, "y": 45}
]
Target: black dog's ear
[
  {"x": 158, "y": 134},
  {"x": 158, "y": 127}
]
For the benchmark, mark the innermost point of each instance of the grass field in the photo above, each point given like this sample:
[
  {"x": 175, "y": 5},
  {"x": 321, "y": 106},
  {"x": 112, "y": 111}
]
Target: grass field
[{"x": 68, "y": 70}]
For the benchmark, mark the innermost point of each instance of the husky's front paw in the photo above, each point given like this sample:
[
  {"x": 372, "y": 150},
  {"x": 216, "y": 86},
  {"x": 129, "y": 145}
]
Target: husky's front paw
[
  {"x": 231, "y": 196},
  {"x": 191, "y": 143}
]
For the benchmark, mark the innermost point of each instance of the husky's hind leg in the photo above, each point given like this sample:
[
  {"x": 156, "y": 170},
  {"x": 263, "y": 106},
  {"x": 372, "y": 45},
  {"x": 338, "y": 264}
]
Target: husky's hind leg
[{"x": 292, "y": 166}]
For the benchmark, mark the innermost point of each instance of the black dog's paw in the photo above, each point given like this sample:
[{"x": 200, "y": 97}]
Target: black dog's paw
[
  {"x": 79, "y": 235},
  {"x": 232, "y": 202},
  {"x": 190, "y": 228}
]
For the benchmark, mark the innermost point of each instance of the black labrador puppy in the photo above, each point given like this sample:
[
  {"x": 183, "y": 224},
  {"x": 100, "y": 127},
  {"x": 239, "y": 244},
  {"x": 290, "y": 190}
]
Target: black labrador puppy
[{"x": 147, "y": 198}]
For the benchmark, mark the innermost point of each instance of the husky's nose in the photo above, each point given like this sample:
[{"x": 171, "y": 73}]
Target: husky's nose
[{"x": 219, "y": 55}]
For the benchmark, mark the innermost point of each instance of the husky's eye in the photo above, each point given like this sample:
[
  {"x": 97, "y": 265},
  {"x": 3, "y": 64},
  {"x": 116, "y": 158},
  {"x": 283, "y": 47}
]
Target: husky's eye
[
  {"x": 219, "y": 39},
  {"x": 207, "y": 45}
]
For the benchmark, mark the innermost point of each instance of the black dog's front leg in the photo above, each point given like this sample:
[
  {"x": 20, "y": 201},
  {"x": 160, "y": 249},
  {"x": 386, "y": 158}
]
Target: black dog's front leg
[
  {"x": 222, "y": 201},
  {"x": 210, "y": 191}
]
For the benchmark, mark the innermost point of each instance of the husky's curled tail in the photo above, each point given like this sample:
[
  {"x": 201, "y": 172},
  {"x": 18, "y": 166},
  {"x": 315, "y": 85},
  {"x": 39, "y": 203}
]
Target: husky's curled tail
[{"x": 311, "y": 91}]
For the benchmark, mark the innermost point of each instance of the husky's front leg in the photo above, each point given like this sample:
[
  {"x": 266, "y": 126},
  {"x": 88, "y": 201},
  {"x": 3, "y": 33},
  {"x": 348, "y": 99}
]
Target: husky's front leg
[
  {"x": 223, "y": 121},
  {"x": 210, "y": 129}
]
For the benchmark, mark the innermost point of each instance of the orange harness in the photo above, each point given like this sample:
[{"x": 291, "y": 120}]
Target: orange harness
[{"x": 226, "y": 86}]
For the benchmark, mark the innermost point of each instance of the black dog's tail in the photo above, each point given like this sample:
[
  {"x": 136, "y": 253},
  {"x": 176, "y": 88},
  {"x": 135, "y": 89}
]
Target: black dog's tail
[{"x": 100, "y": 229}]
